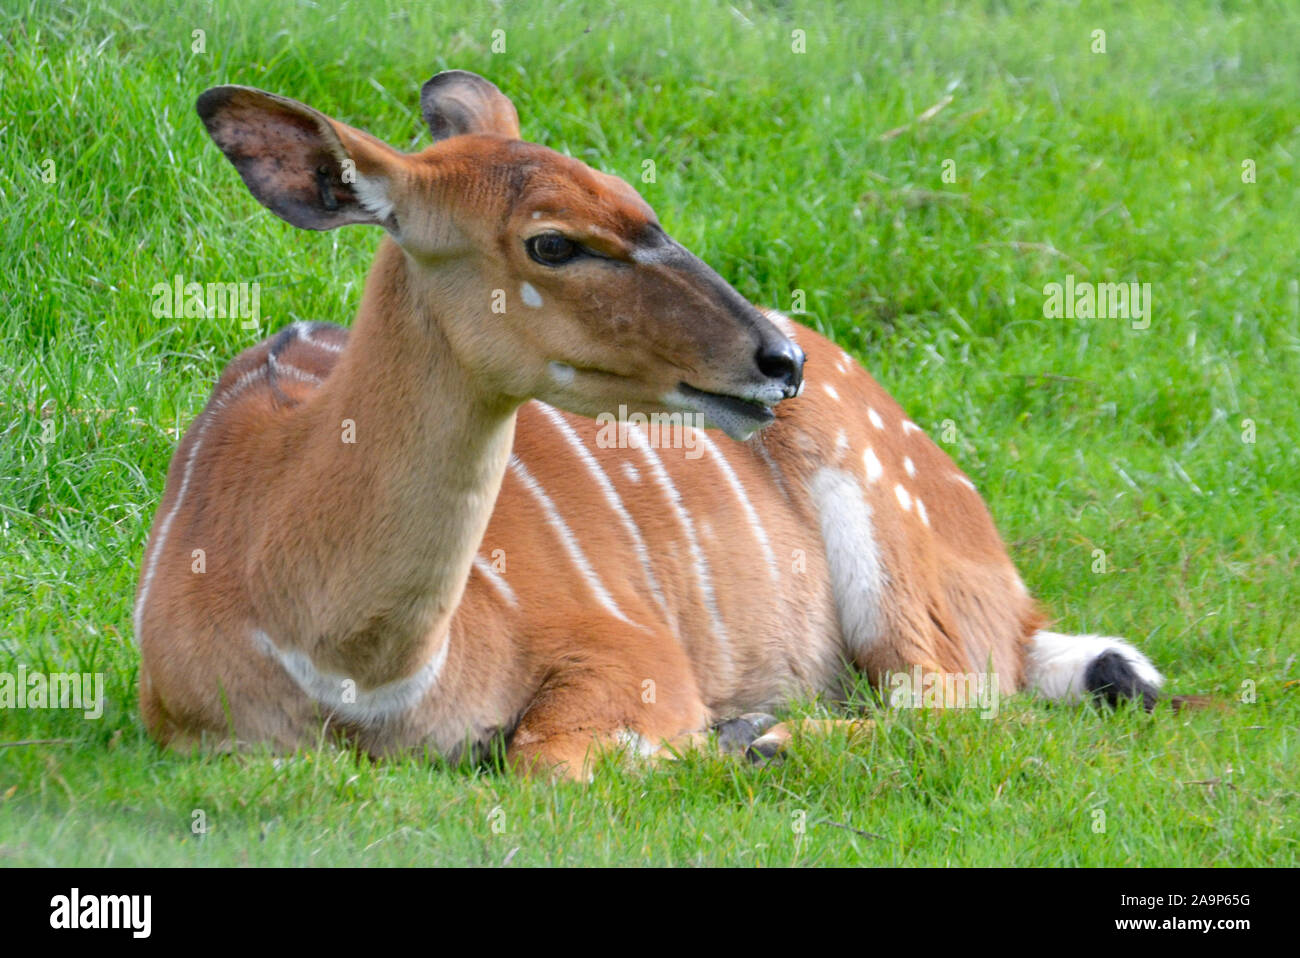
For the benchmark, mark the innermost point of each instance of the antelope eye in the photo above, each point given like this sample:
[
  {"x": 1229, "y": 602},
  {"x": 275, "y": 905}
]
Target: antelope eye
[{"x": 551, "y": 249}]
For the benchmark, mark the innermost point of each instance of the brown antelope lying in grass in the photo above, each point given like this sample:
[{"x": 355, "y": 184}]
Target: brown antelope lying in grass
[{"x": 407, "y": 541}]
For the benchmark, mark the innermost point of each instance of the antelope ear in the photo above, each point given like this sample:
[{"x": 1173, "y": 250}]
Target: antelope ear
[
  {"x": 309, "y": 170},
  {"x": 457, "y": 102}
]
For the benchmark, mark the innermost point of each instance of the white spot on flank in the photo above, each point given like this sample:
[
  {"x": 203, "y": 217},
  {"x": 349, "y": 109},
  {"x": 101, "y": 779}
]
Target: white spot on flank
[
  {"x": 372, "y": 706},
  {"x": 755, "y": 524},
  {"x": 872, "y": 465},
  {"x": 875, "y": 418},
  {"x": 841, "y": 442},
  {"x": 633, "y": 474},
  {"x": 528, "y": 293},
  {"x": 611, "y": 497},
  {"x": 920, "y": 511},
  {"x": 1057, "y": 664},
  {"x": 908, "y": 466},
  {"x": 567, "y": 539},
  {"x": 909, "y": 426},
  {"x": 858, "y": 578},
  {"x": 497, "y": 581},
  {"x": 830, "y": 391},
  {"x": 904, "y": 499},
  {"x": 964, "y": 481}
]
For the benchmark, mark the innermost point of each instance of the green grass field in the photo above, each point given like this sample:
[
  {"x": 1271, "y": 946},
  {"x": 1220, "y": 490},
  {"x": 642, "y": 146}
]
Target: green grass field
[{"x": 1171, "y": 449}]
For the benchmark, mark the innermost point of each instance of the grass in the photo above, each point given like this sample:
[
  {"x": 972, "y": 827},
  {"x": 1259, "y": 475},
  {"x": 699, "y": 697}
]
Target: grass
[{"x": 787, "y": 172}]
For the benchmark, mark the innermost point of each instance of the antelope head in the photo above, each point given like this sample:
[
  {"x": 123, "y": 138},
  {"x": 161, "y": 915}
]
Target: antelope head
[{"x": 545, "y": 278}]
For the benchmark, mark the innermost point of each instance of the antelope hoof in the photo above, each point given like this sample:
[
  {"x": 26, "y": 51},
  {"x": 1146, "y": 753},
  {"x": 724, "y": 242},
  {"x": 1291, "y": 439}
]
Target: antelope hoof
[
  {"x": 738, "y": 734},
  {"x": 769, "y": 746}
]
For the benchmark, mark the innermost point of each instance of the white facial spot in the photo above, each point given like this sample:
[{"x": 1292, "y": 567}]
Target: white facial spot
[
  {"x": 561, "y": 373},
  {"x": 830, "y": 391},
  {"x": 908, "y": 465},
  {"x": 904, "y": 499},
  {"x": 872, "y": 465},
  {"x": 528, "y": 293},
  {"x": 537, "y": 214},
  {"x": 875, "y": 419},
  {"x": 920, "y": 511}
]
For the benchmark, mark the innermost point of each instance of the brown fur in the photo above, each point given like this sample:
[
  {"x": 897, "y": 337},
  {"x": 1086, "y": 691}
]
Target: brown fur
[{"x": 360, "y": 556}]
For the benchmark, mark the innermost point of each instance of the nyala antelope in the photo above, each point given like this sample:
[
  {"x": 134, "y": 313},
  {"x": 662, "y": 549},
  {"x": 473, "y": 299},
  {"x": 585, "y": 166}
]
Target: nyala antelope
[{"x": 415, "y": 537}]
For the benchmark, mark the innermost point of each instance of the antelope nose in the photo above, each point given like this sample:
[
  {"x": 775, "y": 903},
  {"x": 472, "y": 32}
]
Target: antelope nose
[{"x": 782, "y": 361}]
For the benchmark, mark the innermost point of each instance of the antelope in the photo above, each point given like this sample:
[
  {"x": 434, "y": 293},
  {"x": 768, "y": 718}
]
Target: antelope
[{"x": 424, "y": 532}]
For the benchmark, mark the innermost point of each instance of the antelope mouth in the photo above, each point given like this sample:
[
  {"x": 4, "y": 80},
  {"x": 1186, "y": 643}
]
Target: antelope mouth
[{"x": 738, "y": 417}]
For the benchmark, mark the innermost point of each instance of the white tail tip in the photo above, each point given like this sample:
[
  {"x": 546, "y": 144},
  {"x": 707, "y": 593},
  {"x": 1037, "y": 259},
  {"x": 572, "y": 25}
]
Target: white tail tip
[{"x": 1069, "y": 668}]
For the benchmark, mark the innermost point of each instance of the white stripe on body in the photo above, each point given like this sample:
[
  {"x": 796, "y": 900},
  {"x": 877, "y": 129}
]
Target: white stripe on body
[
  {"x": 734, "y": 481},
  {"x": 303, "y": 331},
  {"x": 221, "y": 401},
  {"x": 568, "y": 540},
  {"x": 612, "y": 498},
  {"x": 164, "y": 527},
  {"x": 497, "y": 581},
  {"x": 772, "y": 467},
  {"x": 701, "y": 563}
]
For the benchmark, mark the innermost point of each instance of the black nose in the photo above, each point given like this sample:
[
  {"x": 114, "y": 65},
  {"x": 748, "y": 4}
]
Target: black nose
[{"x": 783, "y": 361}]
